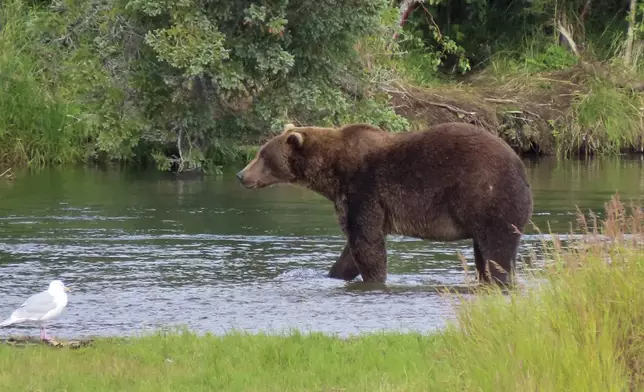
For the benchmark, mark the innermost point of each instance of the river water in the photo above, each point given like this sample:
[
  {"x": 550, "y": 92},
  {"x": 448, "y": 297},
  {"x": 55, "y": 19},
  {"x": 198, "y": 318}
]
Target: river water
[{"x": 146, "y": 250}]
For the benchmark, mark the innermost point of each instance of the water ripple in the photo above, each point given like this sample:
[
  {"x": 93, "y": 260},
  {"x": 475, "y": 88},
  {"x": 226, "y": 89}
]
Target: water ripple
[{"x": 142, "y": 252}]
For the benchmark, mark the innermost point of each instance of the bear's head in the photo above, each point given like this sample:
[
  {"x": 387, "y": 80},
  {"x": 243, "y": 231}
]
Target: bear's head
[
  {"x": 311, "y": 156},
  {"x": 278, "y": 160}
]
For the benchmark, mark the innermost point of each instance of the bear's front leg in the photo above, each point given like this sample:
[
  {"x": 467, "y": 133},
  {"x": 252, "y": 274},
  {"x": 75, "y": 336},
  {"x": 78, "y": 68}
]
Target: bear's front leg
[
  {"x": 345, "y": 267},
  {"x": 365, "y": 223}
]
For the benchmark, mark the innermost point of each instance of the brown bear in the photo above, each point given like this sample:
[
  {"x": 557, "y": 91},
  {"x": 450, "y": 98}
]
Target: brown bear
[{"x": 450, "y": 182}]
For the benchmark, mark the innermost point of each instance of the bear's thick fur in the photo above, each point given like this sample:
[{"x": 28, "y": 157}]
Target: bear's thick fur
[{"x": 449, "y": 182}]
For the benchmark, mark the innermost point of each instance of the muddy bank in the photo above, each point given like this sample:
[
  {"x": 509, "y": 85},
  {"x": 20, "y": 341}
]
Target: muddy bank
[
  {"x": 534, "y": 113},
  {"x": 25, "y": 341}
]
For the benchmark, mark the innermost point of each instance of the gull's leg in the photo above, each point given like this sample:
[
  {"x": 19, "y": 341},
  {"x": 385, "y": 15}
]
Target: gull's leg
[{"x": 45, "y": 336}]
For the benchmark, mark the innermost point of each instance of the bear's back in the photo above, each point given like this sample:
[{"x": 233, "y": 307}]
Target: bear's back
[{"x": 457, "y": 148}]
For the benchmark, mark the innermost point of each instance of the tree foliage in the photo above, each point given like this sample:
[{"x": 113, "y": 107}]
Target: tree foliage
[
  {"x": 186, "y": 81},
  {"x": 470, "y": 32},
  {"x": 180, "y": 78}
]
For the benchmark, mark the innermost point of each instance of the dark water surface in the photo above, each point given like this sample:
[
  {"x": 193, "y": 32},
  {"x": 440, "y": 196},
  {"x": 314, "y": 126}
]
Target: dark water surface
[{"x": 143, "y": 250}]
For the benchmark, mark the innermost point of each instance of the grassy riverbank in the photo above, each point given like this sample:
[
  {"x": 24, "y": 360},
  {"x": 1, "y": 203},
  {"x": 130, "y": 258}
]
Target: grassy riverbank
[
  {"x": 185, "y": 87},
  {"x": 578, "y": 327}
]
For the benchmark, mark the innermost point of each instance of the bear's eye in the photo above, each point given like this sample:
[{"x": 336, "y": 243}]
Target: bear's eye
[{"x": 264, "y": 156}]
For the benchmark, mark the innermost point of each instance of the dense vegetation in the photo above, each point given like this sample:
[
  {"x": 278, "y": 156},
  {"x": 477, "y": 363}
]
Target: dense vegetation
[
  {"x": 188, "y": 84},
  {"x": 578, "y": 326}
]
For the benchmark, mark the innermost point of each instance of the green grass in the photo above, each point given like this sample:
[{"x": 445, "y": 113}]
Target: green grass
[
  {"x": 232, "y": 363},
  {"x": 579, "y": 326},
  {"x": 606, "y": 119},
  {"x": 38, "y": 125}
]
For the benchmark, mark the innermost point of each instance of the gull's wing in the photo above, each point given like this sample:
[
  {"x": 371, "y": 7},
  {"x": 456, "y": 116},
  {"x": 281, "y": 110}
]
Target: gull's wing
[{"x": 35, "y": 307}]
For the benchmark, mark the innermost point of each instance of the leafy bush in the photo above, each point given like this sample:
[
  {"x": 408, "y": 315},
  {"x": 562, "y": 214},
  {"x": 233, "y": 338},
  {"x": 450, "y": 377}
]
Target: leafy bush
[{"x": 178, "y": 80}]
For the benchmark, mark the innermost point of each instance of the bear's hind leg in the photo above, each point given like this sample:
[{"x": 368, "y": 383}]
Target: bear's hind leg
[
  {"x": 481, "y": 274},
  {"x": 345, "y": 267},
  {"x": 498, "y": 247}
]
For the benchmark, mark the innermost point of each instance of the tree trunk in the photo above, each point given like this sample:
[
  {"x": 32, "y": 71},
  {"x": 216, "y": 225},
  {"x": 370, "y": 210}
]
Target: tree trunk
[
  {"x": 406, "y": 8},
  {"x": 583, "y": 18},
  {"x": 630, "y": 35}
]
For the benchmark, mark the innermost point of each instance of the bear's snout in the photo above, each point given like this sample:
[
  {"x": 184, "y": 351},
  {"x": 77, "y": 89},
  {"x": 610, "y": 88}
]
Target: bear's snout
[
  {"x": 258, "y": 175},
  {"x": 249, "y": 176},
  {"x": 244, "y": 180}
]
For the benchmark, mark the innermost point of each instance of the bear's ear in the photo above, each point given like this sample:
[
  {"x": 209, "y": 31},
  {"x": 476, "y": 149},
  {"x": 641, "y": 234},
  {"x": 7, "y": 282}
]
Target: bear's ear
[{"x": 295, "y": 139}]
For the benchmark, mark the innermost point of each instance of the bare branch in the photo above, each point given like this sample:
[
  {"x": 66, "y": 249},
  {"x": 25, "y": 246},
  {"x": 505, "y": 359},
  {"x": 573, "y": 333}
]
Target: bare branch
[
  {"x": 452, "y": 108},
  {"x": 405, "y": 8},
  {"x": 630, "y": 34},
  {"x": 585, "y": 11},
  {"x": 7, "y": 174},
  {"x": 566, "y": 34}
]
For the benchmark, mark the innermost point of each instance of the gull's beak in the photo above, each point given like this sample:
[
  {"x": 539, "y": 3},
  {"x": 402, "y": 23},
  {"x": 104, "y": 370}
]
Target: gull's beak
[{"x": 67, "y": 289}]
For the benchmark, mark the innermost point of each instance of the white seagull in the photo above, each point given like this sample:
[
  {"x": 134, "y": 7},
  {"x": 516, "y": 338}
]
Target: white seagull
[{"x": 41, "y": 307}]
